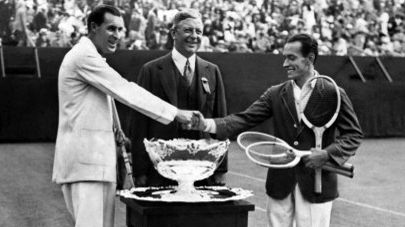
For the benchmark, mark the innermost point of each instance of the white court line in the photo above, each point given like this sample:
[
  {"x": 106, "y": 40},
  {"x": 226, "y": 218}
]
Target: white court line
[
  {"x": 340, "y": 199},
  {"x": 372, "y": 207}
]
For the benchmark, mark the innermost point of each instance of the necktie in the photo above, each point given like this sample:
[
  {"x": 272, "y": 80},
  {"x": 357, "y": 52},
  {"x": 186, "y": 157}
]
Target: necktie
[{"x": 188, "y": 74}]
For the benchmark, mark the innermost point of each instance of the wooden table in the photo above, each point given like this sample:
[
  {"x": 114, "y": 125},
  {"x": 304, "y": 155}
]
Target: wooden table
[{"x": 160, "y": 214}]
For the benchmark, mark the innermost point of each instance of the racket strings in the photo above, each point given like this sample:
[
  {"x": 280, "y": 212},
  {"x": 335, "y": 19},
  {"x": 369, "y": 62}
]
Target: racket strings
[
  {"x": 322, "y": 104},
  {"x": 272, "y": 153}
]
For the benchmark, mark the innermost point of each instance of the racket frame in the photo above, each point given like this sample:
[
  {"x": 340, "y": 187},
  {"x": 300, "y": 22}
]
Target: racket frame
[
  {"x": 293, "y": 163},
  {"x": 318, "y": 131},
  {"x": 346, "y": 170},
  {"x": 270, "y": 137}
]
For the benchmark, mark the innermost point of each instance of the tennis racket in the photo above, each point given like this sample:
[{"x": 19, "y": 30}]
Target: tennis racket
[
  {"x": 321, "y": 112},
  {"x": 272, "y": 152},
  {"x": 121, "y": 145}
]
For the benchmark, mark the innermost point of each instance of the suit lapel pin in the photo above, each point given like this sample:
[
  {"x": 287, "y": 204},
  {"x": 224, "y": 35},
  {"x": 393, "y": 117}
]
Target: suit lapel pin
[{"x": 206, "y": 86}]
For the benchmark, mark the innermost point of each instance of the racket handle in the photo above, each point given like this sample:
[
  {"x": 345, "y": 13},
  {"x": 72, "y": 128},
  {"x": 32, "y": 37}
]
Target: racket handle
[
  {"x": 347, "y": 169},
  {"x": 318, "y": 180},
  {"x": 346, "y": 166}
]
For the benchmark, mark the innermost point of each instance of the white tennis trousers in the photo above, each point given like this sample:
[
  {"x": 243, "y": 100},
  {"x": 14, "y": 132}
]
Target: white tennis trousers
[
  {"x": 294, "y": 210},
  {"x": 91, "y": 204}
]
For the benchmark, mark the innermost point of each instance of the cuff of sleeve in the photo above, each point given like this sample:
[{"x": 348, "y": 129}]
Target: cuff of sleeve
[
  {"x": 210, "y": 127},
  {"x": 335, "y": 154},
  {"x": 169, "y": 114}
]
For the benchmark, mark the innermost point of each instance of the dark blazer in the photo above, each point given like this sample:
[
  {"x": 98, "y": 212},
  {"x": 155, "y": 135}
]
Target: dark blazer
[
  {"x": 159, "y": 77},
  {"x": 341, "y": 140}
]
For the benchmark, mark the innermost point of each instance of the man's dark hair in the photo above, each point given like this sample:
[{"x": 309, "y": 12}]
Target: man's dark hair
[
  {"x": 97, "y": 15},
  {"x": 308, "y": 44}
]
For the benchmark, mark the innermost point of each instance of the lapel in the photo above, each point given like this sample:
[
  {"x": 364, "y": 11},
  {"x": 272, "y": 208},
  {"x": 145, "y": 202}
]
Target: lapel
[
  {"x": 202, "y": 73},
  {"x": 287, "y": 96},
  {"x": 167, "y": 75}
]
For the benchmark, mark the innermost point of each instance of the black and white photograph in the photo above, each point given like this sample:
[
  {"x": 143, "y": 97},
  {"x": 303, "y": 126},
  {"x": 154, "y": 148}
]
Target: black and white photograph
[{"x": 202, "y": 113}]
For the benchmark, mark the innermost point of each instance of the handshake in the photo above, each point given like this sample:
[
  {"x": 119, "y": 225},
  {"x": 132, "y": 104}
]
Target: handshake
[{"x": 191, "y": 119}]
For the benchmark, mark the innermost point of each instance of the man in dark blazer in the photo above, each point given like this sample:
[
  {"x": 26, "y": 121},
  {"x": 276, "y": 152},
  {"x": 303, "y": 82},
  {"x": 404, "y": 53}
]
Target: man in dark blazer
[
  {"x": 184, "y": 80},
  {"x": 290, "y": 191}
]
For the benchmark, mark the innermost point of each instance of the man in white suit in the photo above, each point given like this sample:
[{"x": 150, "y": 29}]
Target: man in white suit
[{"x": 85, "y": 153}]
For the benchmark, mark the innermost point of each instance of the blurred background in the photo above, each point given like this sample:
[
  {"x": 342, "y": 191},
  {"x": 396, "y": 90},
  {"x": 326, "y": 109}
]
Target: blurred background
[{"x": 344, "y": 27}]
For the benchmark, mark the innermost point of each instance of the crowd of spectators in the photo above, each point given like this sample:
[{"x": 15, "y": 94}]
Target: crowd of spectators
[{"x": 343, "y": 27}]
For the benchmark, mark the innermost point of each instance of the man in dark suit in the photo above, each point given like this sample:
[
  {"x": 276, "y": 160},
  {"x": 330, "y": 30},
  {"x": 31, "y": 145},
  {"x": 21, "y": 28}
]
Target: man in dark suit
[
  {"x": 291, "y": 195},
  {"x": 184, "y": 80}
]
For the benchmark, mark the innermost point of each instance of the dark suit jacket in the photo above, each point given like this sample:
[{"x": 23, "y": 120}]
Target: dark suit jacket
[
  {"x": 159, "y": 77},
  {"x": 340, "y": 141}
]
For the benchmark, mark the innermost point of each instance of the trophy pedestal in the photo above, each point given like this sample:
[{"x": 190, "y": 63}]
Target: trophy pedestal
[{"x": 160, "y": 214}]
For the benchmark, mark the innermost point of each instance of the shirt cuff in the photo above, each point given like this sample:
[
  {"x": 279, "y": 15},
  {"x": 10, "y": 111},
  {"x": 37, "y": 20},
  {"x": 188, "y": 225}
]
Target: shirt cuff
[{"x": 210, "y": 127}]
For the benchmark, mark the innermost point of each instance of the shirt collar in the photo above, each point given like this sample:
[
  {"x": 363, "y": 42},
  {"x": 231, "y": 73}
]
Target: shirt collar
[
  {"x": 180, "y": 60},
  {"x": 313, "y": 82}
]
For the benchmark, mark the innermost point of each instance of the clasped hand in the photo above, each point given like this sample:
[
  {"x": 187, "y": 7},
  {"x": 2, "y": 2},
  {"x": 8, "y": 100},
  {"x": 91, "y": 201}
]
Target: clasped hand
[
  {"x": 317, "y": 159},
  {"x": 191, "y": 119}
]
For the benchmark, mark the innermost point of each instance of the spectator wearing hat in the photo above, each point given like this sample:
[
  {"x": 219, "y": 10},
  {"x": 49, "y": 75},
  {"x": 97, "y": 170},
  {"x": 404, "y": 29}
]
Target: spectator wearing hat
[{"x": 42, "y": 39}]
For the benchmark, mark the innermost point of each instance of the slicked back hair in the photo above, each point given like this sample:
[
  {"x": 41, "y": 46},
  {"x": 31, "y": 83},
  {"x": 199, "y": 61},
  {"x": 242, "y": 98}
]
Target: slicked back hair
[
  {"x": 185, "y": 14},
  {"x": 308, "y": 44},
  {"x": 97, "y": 15}
]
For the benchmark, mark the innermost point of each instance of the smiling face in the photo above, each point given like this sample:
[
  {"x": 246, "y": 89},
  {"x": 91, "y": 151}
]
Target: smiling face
[
  {"x": 187, "y": 36},
  {"x": 297, "y": 66},
  {"x": 107, "y": 35}
]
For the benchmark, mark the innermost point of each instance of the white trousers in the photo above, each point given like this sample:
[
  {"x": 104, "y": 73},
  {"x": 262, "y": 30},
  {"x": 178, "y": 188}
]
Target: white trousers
[
  {"x": 294, "y": 210},
  {"x": 91, "y": 203}
]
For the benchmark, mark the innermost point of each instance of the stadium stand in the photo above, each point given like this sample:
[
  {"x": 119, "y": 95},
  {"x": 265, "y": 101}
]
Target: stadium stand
[{"x": 344, "y": 27}]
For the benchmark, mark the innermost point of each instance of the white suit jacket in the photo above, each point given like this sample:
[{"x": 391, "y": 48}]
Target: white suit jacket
[{"x": 85, "y": 147}]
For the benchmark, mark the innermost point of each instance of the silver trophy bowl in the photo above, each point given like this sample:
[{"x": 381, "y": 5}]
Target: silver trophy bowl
[{"x": 186, "y": 161}]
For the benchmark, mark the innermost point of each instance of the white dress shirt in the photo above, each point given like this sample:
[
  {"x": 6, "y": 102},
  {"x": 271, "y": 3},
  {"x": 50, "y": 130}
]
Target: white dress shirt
[
  {"x": 180, "y": 61},
  {"x": 301, "y": 96}
]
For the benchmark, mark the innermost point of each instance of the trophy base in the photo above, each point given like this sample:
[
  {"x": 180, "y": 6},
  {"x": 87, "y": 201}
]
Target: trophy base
[{"x": 201, "y": 194}]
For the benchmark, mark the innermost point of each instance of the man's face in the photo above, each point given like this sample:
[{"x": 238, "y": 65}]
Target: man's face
[
  {"x": 295, "y": 64},
  {"x": 107, "y": 35},
  {"x": 187, "y": 36}
]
